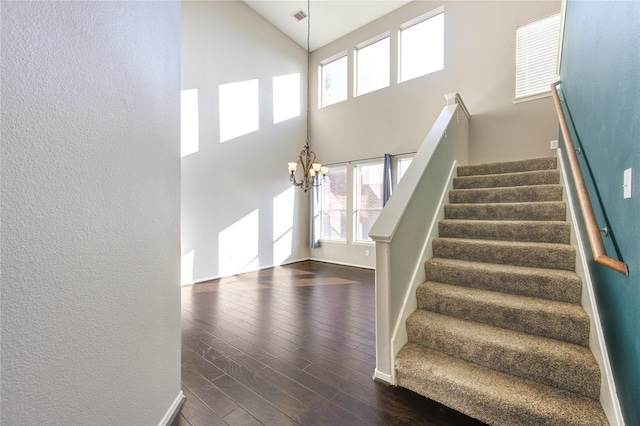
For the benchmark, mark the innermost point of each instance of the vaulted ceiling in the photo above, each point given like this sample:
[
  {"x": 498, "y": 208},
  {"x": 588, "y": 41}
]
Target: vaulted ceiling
[{"x": 330, "y": 19}]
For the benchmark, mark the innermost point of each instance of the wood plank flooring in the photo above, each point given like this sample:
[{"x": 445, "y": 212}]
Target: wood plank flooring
[{"x": 292, "y": 345}]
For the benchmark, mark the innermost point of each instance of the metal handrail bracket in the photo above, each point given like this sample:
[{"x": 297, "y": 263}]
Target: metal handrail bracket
[{"x": 593, "y": 231}]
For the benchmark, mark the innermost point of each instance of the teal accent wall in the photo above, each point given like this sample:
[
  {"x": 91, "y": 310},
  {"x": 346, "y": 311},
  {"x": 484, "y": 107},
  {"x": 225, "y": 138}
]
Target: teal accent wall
[{"x": 600, "y": 74}]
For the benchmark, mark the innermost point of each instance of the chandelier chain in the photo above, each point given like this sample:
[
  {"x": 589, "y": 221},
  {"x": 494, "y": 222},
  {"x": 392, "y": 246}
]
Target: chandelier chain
[
  {"x": 313, "y": 174},
  {"x": 308, "y": 67}
]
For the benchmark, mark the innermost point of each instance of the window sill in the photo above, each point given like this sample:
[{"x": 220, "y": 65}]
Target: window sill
[
  {"x": 329, "y": 241},
  {"x": 532, "y": 97},
  {"x": 364, "y": 243}
]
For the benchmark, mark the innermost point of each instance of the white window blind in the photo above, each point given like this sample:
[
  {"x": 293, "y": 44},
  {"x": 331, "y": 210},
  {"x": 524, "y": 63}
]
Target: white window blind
[{"x": 537, "y": 56}]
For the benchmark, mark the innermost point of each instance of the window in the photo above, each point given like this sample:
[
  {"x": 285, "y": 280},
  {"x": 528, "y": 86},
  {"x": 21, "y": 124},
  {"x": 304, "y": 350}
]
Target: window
[
  {"x": 334, "y": 81},
  {"x": 536, "y": 57},
  {"x": 373, "y": 67},
  {"x": 333, "y": 204},
  {"x": 422, "y": 45},
  {"x": 368, "y": 199}
]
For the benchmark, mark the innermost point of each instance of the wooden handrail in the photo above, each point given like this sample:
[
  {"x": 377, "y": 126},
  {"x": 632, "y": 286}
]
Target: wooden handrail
[{"x": 593, "y": 232}]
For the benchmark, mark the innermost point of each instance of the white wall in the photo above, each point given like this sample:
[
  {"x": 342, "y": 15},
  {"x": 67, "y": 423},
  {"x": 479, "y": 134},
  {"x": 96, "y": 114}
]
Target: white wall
[
  {"x": 90, "y": 212},
  {"x": 239, "y": 211},
  {"x": 479, "y": 63}
]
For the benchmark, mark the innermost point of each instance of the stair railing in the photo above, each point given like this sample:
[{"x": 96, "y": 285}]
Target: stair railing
[
  {"x": 593, "y": 231},
  {"x": 408, "y": 223}
]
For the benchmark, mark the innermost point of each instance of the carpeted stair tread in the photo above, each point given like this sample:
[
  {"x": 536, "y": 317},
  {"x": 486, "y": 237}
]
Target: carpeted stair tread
[
  {"x": 552, "y": 284},
  {"x": 546, "y": 163},
  {"x": 537, "y": 255},
  {"x": 551, "y": 362},
  {"x": 547, "y": 318},
  {"x": 520, "y": 194},
  {"x": 507, "y": 230},
  {"x": 545, "y": 210},
  {"x": 490, "y": 396},
  {"x": 537, "y": 177}
]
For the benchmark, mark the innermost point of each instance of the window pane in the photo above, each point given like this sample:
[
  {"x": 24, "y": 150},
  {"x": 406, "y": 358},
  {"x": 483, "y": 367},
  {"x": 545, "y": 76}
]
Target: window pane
[
  {"x": 364, "y": 223},
  {"x": 334, "y": 81},
  {"x": 333, "y": 204},
  {"x": 403, "y": 165},
  {"x": 334, "y": 224},
  {"x": 368, "y": 198},
  {"x": 373, "y": 67},
  {"x": 537, "y": 56},
  {"x": 422, "y": 48},
  {"x": 369, "y": 188}
]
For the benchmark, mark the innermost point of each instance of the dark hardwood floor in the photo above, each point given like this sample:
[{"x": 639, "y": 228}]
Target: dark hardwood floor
[{"x": 293, "y": 345}]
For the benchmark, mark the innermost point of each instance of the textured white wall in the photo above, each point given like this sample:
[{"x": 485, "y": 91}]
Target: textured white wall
[
  {"x": 90, "y": 212},
  {"x": 239, "y": 211},
  {"x": 479, "y": 63}
]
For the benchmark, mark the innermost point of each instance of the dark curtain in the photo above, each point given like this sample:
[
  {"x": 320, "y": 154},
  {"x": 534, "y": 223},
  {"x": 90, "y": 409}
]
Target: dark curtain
[
  {"x": 315, "y": 215},
  {"x": 387, "y": 188}
]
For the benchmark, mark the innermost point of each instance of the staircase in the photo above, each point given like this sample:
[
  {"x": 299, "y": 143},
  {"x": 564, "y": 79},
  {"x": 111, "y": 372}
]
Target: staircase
[{"x": 499, "y": 333}]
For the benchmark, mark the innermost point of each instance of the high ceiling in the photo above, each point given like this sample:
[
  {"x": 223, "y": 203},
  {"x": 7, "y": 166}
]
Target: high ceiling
[{"x": 330, "y": 19}]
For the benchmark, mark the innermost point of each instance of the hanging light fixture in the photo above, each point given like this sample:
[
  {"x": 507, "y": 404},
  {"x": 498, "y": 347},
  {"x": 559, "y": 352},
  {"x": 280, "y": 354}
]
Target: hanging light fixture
[{"x": 311, "y": 170}]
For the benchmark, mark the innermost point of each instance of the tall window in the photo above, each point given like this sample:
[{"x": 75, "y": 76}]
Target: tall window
[
  {"x": 333, "y": 204},
  {"x": 422, "y": 45},
  {"x": 368, "y": 200},
  {"x": 334, "y": 81},
  {"x": 537, "y": 57},
  {"x": 373, "y": 66}
]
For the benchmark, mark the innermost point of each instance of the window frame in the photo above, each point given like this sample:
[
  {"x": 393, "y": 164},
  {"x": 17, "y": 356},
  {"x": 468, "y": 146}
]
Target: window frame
[
  {"x": 321, "y": 208},
  {"x": 356, "y": 65},
  {"x": 399, "y": 159},
  {"x": 321, "y": 65},
  {"x": 543, "y": 92},
  {"x": 412, "y": 23},
  {"x": 356, "y": 199}
]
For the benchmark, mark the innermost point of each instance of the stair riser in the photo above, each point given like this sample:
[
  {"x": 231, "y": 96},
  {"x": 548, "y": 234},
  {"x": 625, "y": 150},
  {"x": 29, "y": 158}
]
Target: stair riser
[
  {"x": 539, "y": 232},
  {"x": 555, "y": 211},
  {"x": 544, "y": 177},
  {"x": 549, "y": 163},
  {"x": 567, "y": 328},
  {"x": 547, "y": 256},
  {"x": 572, "y": 371},
  {"x": 525, "y": 194},
  {"x": 555, "y": 285}
]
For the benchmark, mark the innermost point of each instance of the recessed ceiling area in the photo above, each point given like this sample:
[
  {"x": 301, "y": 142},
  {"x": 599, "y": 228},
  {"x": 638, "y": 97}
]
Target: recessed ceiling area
[{"x": 330, "y": 19}]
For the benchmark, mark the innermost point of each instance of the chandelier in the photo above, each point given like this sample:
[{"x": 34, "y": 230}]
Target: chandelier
[{"x": 311, "y": 170}]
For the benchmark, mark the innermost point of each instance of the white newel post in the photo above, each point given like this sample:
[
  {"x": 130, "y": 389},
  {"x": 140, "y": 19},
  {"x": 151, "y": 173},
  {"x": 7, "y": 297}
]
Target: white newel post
[{"x": 384, "y": 368}]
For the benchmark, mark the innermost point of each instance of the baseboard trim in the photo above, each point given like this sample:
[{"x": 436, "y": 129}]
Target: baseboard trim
[
  {"x": 382, "y": 377},
  {"x": 608, "y": 394},
  {"x": 173, "y": 411},
  {"x": 217, "y": 277},
  {"x": 333, "y": 262}
]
